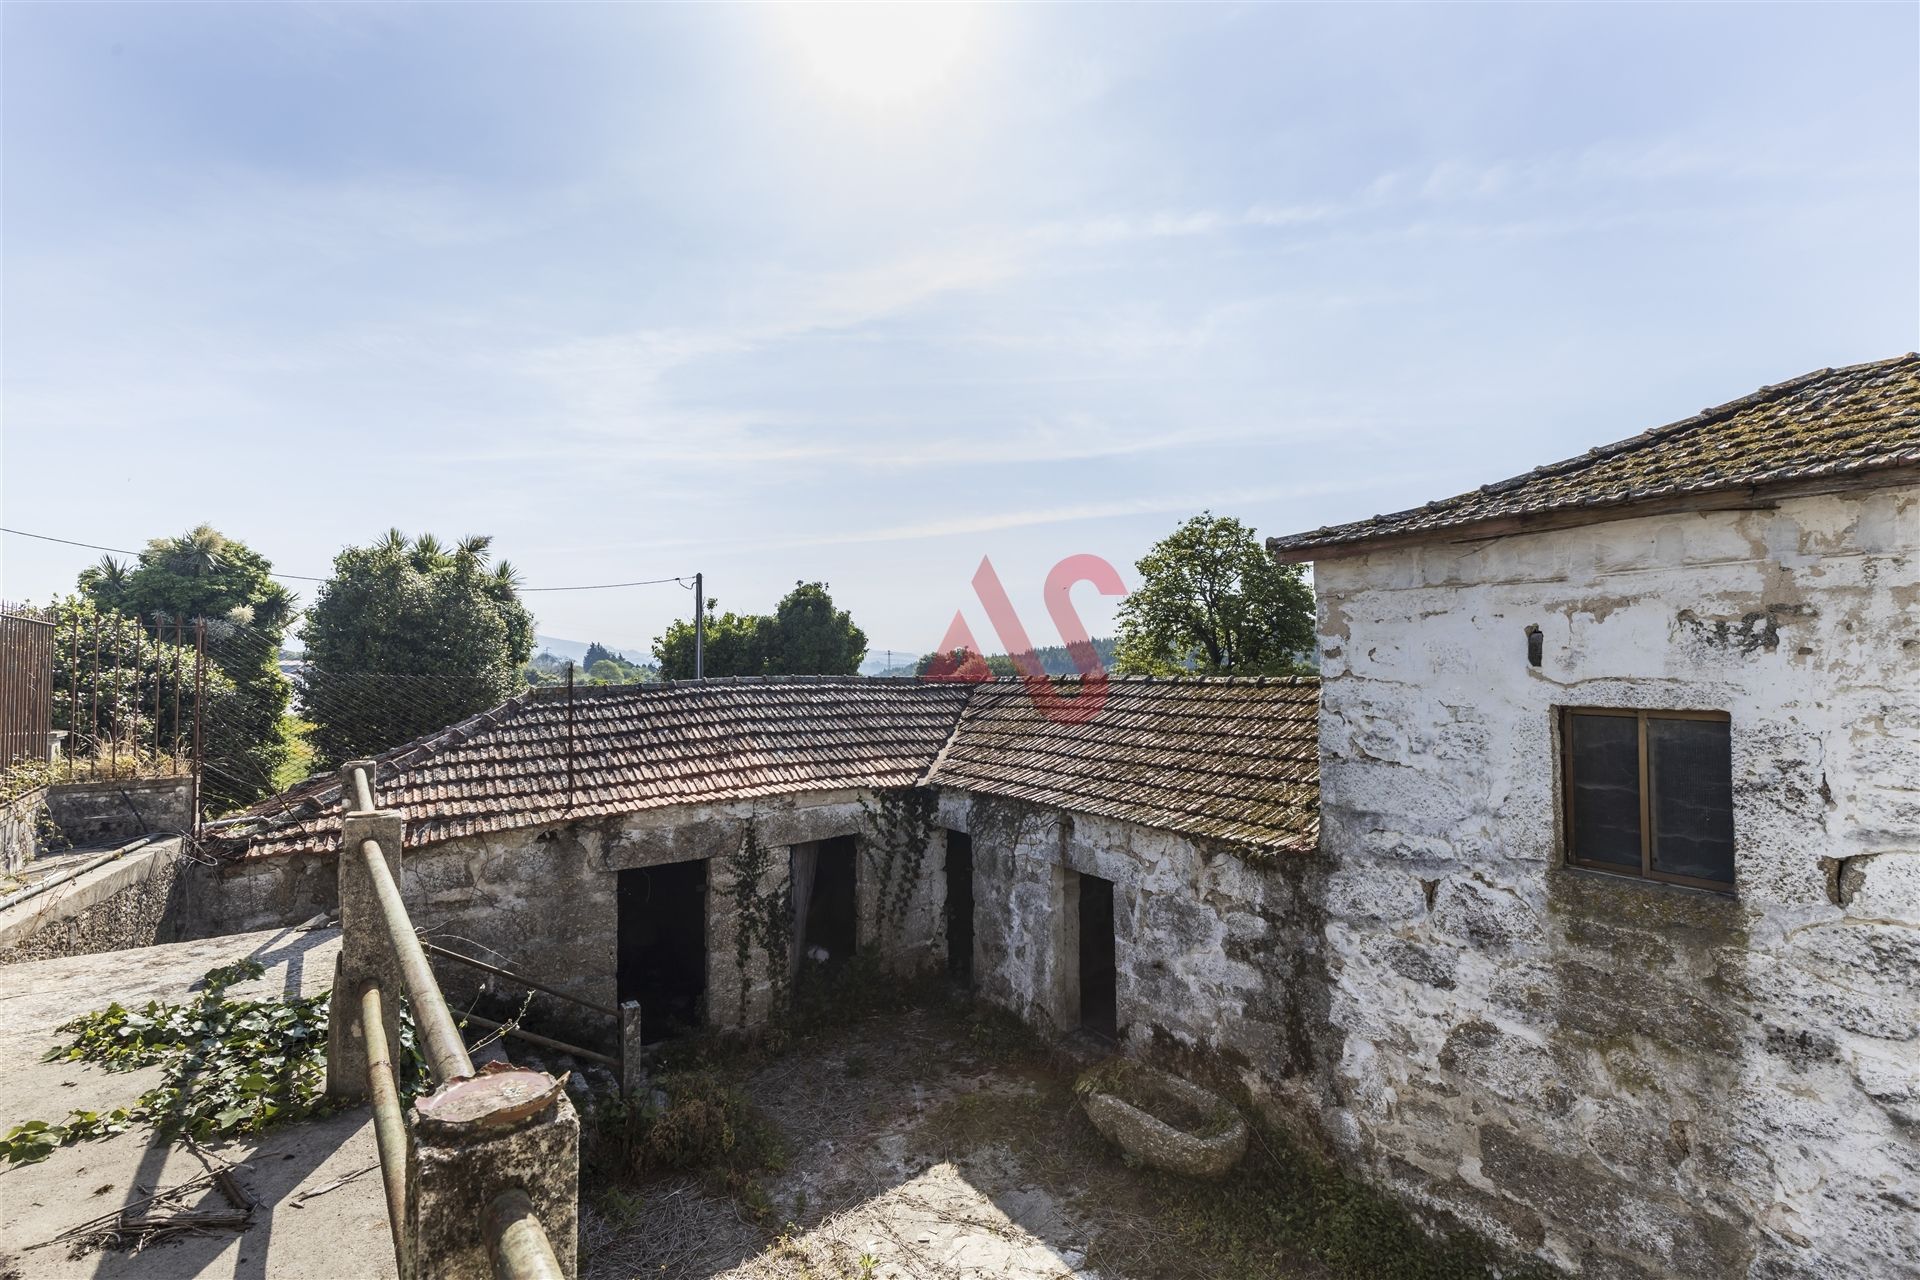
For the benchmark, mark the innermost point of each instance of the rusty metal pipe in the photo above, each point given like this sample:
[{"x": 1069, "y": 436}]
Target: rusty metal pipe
[
  {"x": 545, "y": 1042},
  {"x": 439, "y": 1036},
  {"x": 516, "y": 1242},
  {"x": 389, "y": 1125},
  {"x": 517, "y": 979}
]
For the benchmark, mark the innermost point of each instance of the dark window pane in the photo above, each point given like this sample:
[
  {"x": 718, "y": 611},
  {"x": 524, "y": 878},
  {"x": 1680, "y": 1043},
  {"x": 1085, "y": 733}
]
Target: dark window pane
[
  {"x": 1690, "y": 769},
  {"x": 1605, "y": 754}
]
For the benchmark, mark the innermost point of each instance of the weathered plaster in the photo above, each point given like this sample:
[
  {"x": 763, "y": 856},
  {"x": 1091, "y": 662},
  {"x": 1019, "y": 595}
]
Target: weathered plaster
[
  {"x": 1218, "y": 965},
  {"x": 543, "y": 901},
  {"x": 1634, "y": 1078}
]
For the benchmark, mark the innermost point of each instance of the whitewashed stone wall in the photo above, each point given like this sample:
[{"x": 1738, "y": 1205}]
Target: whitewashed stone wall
[
  {"x": 1218, "y": 965},
  {"x": 1634, "y": 1078}
]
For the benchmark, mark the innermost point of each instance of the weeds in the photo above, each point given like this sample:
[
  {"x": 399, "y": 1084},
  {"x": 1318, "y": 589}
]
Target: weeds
[{"x": 706, "y": 1126}]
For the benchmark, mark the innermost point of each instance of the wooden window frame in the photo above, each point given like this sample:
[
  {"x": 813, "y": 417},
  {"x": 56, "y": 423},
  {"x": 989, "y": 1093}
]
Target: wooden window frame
[{"x": 1647, "y": 870}]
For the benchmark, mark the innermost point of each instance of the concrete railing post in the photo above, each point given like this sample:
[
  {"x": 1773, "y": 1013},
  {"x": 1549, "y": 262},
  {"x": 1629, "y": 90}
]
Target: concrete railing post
[
  {"x": 365, "y": 950},
  {"x": 476, "y": 1140},
  {"x": 633, "y": 1067}
]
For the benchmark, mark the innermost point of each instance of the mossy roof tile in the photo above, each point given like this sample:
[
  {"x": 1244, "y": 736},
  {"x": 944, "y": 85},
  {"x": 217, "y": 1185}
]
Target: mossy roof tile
[
  {"x": 1228, "y": 759},
  {"x": 1829, "y": 424}
]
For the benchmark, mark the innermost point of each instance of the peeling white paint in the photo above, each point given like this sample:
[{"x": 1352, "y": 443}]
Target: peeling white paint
[{"x": 1635, "y": 1079}]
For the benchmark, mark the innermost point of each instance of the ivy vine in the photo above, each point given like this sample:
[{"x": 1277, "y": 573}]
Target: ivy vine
[
  {"x": 229, "y": 1067},
  {"x": 763, "y": 919},
  {"x": 899, "y": 829}
]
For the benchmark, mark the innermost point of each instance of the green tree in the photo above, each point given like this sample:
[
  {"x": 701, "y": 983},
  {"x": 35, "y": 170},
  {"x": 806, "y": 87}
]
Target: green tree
[
  {"x": 114, "y": 692},
  {"x": 963, "y": 664},
  {"x": 1212, "y": 602},
  {"x": 736, "y": 645},
  {"x": 203, "y": 574},
  {"x": 805, "y": 636},
  {"x": 812, "y": 638},
  {"x": 598, "y": 653},
  {"x": 409, "y": 637},
  {"x": 607, "y": 671}
]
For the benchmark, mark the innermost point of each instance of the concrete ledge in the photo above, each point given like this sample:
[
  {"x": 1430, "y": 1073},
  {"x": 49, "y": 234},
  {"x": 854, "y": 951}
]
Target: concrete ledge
[{"x": 143, "y": 866}]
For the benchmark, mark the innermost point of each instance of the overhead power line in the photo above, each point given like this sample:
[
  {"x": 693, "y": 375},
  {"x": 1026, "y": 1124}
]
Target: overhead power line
[{"x": 302, "y": 577}]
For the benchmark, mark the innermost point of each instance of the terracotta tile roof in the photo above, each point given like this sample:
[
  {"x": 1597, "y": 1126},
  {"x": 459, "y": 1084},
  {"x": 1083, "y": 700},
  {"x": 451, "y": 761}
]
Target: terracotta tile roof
[
  {"x": 636, "y": 747},
  {"x": 1828, "y": 425},
  {"x": 1230, "y": 759}
]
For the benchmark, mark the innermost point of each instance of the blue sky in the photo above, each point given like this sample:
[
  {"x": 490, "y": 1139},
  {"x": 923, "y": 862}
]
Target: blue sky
[{"x": 864, "y": 295}]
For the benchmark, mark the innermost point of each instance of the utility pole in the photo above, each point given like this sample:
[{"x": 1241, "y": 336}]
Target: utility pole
[{"x": 699, "y": 626}]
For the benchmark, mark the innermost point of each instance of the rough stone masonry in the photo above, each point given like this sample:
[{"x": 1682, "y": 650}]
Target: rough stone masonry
[{"x": 1631, "y": 1077}]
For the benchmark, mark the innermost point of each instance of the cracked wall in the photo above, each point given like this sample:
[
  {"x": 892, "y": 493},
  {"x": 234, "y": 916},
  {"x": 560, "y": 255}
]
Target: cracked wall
[
  {"x": 1217, "y": 959},
  {"x": 1631, "y": 1078}
]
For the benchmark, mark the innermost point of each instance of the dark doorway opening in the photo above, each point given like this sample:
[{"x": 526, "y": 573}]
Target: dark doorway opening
[
  {"x": 960, "y": 908},
  {"x": 1099, "y": 989},
  {"x": 663, "y": 946},
  {"x": 833, "y": 907}
]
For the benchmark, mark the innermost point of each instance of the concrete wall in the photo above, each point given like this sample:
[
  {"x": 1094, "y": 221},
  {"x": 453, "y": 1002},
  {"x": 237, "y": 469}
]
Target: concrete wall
[
  {"x": 1218, "y": 960},
  {"x": 117, "y": 809},
  {"x": 1632, "y": 1078},
  {"x": 128, "y": 902},
  {"x": 20, "y": 828}
]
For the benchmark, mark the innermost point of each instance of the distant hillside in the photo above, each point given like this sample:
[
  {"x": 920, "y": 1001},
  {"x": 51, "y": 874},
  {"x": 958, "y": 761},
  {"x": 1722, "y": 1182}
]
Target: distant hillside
[
  {"x": 577, "y": 649},
  {"x": 1055, "y": 660}
]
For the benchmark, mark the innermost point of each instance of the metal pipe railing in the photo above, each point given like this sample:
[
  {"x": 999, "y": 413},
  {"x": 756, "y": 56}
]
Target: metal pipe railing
[
  {"x": 362, "y": 791},
  {"x": 389, "y": 1125},
  {"x": 516, "y": 1242},
  {"x": 439, "y": 1036}
]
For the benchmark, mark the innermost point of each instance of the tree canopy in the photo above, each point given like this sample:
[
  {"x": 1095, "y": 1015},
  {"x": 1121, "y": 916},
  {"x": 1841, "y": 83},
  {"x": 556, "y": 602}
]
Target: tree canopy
[
  {"x": 409, "y": 637},
  {"x": 205, "y": 575},
  {"x": 805, "y": 635},
  {"x": 812, "y": 638},
  {"x": 964, "y": 666},
  {"x": 1212, "y": 601},
  {"x": 598, "y": 653}
]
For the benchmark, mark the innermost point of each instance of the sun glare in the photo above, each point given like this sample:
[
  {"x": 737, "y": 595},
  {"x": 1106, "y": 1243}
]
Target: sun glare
[{"x": 880, "y": 55}]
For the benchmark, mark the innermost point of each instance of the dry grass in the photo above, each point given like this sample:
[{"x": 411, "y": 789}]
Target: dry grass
[{"x": 942, "y": 1124}]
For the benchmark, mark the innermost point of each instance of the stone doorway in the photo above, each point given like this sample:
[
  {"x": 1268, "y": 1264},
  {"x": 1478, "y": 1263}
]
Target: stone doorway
[
  {"x": 830, "y": 930},
  {"x": 1099, "y": 986},
  {"x": 663, "y": 946},
  {"x": 960, "y": 908}
]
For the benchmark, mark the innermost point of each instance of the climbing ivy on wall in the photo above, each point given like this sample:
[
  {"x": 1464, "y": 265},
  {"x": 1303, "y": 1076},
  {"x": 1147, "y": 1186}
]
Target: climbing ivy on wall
[
  {"x": 999, "y": 825},
  {"x": 899, "y": 828},
  {"x": 764, "y": 920}
]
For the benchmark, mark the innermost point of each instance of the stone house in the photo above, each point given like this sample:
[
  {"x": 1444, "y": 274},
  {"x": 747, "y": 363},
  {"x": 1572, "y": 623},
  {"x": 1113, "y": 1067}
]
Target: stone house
[
  {"x": 695, "y": 845},
  {"x": 1620, "y": 804},
  {"x": 1577, "y": 900}
]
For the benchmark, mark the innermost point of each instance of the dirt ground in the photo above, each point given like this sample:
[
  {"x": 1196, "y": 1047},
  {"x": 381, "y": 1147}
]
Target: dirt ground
[{"x": 920, "y": 1146}]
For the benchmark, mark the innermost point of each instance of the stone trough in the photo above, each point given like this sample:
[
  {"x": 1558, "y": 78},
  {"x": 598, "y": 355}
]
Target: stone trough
[{"x": 1195, "y": 1133}]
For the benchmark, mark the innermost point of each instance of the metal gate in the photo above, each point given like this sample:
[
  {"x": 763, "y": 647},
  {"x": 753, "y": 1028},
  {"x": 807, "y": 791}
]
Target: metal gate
[{"x": 26, "y": 684}]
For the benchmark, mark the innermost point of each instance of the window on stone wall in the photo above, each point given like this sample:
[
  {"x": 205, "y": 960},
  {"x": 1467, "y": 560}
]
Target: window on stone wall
[{"x": 1649, "y": 793}]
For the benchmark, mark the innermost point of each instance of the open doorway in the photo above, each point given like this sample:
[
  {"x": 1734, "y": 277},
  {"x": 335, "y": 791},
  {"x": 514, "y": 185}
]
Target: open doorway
[
  {"x": 826, "y": 900},
  {"x": 1099, "y": 988},
  {"x": 663, "y": 946},
  {"x": 960, "y": 908}
]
